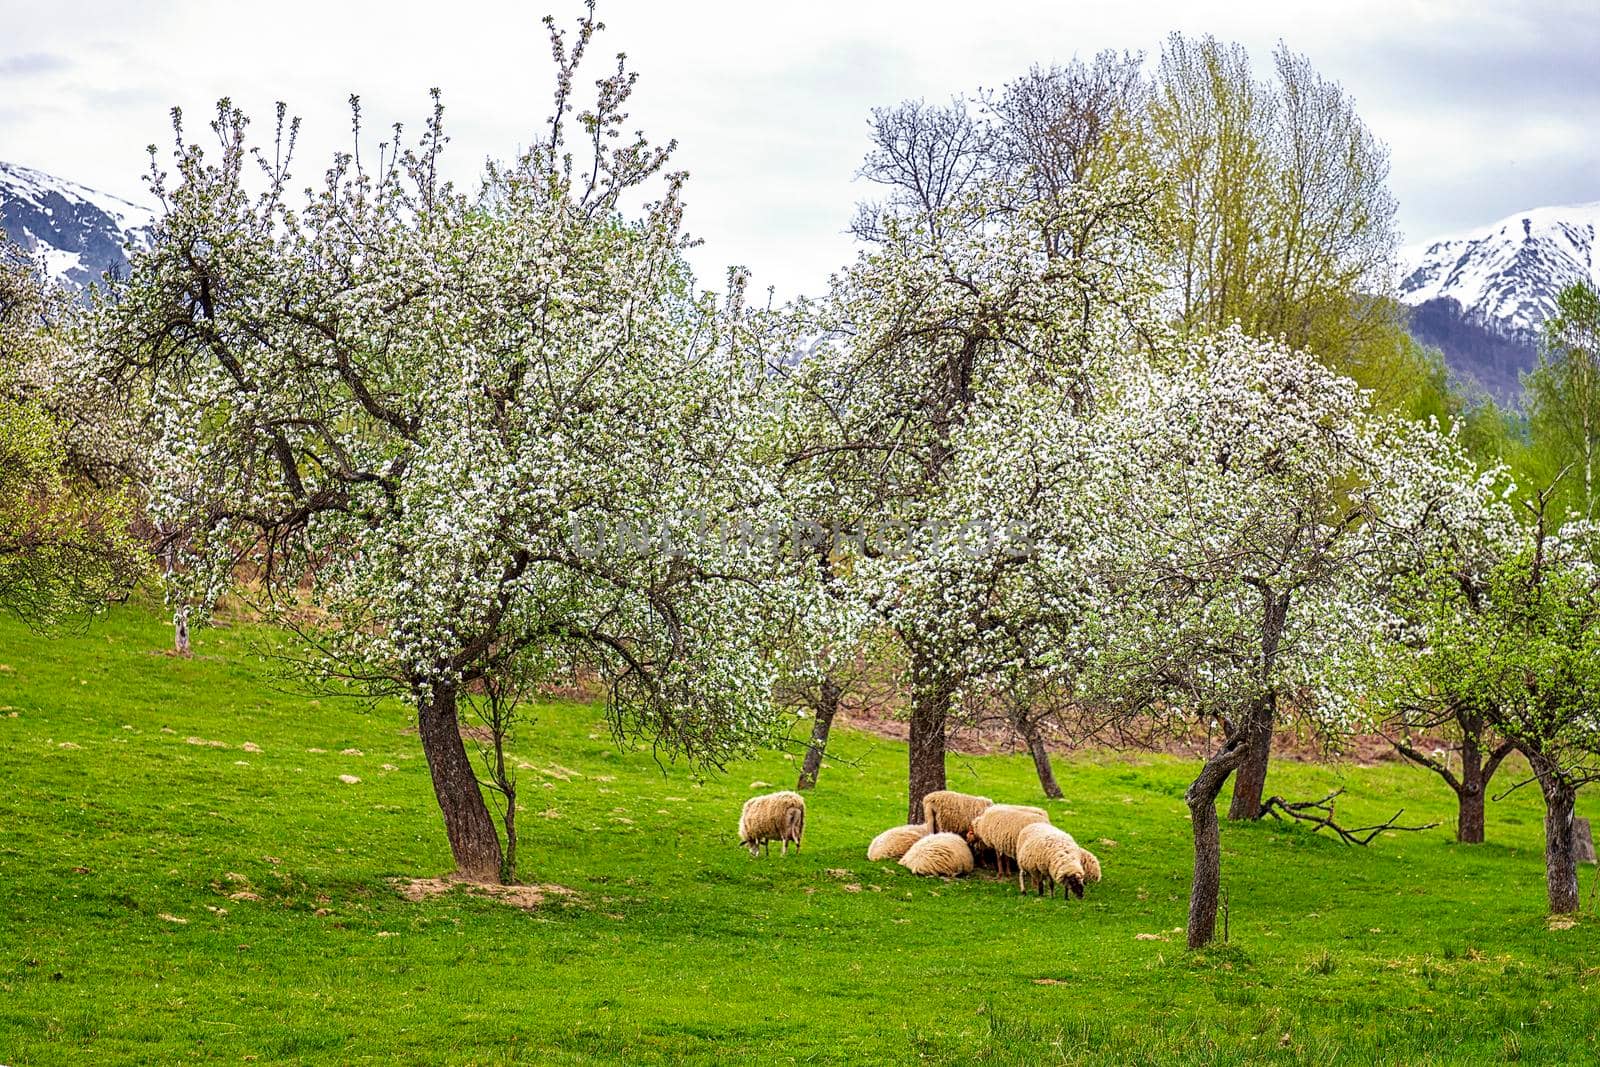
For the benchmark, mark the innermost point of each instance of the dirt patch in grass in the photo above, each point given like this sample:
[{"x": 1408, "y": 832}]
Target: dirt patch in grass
[
  {"x": 990, "y": 739},
  {"x": 526, "y": 897}
]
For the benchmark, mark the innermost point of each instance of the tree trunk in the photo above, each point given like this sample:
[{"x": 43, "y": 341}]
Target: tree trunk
[
  {"x": 930, "y": 710},
  {"x": 1469, "y": 815},
  {"x": 1202, "y": 800},
  {"x": 508, "y": 870},
  {"x": 467, "y": 822},
  {"x": 1473, "y": 785},
  {"x": 1041, "y": 755},
  {"x": 1469, "y": 795},
  {"x": 180, "y": 630},
  {"x": 1250, "y": 784},
  {"x": 827, "y": 708},
  {"x": 1560, "y": 858}
]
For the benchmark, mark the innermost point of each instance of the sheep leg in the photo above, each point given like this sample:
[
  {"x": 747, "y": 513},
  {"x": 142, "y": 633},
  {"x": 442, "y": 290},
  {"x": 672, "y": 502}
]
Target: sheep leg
[
  {"x": 783, "y": 848},
  {"x": 1021, "y": 887}
]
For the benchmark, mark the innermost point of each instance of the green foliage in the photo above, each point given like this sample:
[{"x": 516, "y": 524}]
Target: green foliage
[
  {"x": 681, "y": 948},
  {"x": 1564, "y": 398},
  {"x": 65, "y": 546},
  {"x": 1282, "y": 217}
]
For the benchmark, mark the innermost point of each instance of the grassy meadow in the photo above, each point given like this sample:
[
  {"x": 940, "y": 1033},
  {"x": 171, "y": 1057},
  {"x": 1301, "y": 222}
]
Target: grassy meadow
[{"x": 187, "y": 877}]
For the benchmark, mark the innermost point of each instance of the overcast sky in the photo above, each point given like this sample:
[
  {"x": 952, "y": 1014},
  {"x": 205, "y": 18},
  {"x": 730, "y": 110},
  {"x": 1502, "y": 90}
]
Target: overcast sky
[{"x": 1487, "y": 109}]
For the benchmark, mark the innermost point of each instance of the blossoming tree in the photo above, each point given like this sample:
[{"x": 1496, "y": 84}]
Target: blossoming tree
[
  {"x": 1506, "y": 622},
  {"x": 930, "y": 341},
  {"x": 469, "y": 430},
  {"x": 1256, "y": 504},
  {"x": 65, "y": 541}
]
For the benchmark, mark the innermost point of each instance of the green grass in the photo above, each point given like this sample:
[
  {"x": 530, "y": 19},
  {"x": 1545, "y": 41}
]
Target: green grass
[{"x": 680, "y": 947}]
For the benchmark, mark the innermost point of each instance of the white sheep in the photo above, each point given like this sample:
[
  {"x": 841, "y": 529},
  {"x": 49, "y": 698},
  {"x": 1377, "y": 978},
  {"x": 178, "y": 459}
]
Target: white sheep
[
  {"x": 941, "y": 854},
  {"x": 893, "y": 842},
  {"x": 772, "y": 817},
  {"x": 1049, "y": 855},
  {"x": 947, "y": 811},
  {"x": 996, "y": 829}
]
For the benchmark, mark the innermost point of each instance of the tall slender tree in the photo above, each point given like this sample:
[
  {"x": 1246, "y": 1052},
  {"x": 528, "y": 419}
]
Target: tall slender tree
[
  {"x": 1284, "y": 219},
  {"x": 1564, "y": 394}
]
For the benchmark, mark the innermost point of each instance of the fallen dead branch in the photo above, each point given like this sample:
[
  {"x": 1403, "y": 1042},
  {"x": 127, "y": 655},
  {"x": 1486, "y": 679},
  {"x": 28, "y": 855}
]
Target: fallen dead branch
[{"x": 1320, "y": 814}]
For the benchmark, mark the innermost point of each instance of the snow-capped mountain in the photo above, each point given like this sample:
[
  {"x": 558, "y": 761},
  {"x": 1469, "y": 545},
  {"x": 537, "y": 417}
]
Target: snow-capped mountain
[
  {"x": 79, "y": 233},
  {"x": 1507, "y": 274},
  {"x": 1482, "y": 296}
]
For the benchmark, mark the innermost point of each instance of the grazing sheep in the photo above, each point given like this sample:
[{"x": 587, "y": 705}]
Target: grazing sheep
[
  {"x": 996, "y": 829},
  {"x": 893, "y": 842},
  {"x": 947, "y": 811},
  {"x": 1050, "y": 856},
  {"x": 942, "y": 854},
  {"x": 773, "y": 817}
]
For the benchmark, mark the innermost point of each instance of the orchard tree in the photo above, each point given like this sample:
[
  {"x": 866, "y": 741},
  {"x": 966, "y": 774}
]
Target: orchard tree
[
  {"x": 925, "y": 339},
  {"x": 830, "y": 657},
  {"x": 1532, "y": 628},
  {"x": 470, "y": 430},
  {"x": 982, "y": 276},
  {"x": 1249, "y": 502},
  {"x": 1468, "y": 729},
  {"x": 1495, "y": 631},
  {"x": 1423, "y": 676},
  {"x": 66, "y": 544}
]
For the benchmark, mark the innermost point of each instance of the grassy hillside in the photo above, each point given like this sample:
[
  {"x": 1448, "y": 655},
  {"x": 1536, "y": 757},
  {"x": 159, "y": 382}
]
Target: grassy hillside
[{"x": 132, "y": 815}]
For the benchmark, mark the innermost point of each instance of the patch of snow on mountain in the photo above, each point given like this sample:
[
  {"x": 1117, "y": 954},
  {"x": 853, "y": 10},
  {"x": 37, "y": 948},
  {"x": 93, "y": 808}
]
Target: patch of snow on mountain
[
  {"x": 79, "y": 233},
  {"x": 1506, "y": 275}
]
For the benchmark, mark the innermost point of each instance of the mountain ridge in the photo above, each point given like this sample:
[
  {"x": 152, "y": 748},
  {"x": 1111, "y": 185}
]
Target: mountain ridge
[
  {"x": 1482, "y": 296},
  {"x": 79, "y": 233}
]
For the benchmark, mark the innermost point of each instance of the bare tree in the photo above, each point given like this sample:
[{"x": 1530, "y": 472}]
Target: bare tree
[
  {"x": 498, "y": 708},
  {"x": 926, "y": 157}
]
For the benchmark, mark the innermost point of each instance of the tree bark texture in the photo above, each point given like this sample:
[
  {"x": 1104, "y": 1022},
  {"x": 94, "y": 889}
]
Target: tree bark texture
[
  {"x": 1202, "y": 800},
  {"x": 1471, "y": 789},
  {"x": 1560, "y": 856},
  {"x": 827, "y": 707},
  {"x": 930, "y": 711},
  {"x": 1030, "y": 732},
  {"x": 1250, "y": 784},
  {"x": 467, "y": 822},
  {"x": 1469, "y": 813}
]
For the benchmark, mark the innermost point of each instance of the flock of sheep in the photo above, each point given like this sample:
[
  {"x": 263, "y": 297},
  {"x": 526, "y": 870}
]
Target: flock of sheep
[{"x": 961, "y": 830}]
